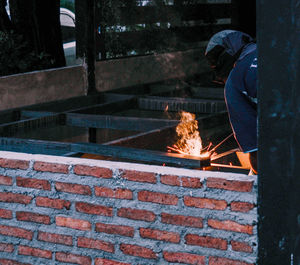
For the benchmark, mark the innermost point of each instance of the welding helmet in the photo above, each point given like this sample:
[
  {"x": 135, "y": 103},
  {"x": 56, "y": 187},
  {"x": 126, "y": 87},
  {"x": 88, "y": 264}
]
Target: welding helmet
[{"x": 223, "y": 50}]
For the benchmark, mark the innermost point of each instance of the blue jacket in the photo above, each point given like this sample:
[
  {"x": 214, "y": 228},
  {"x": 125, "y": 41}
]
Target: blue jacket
[{"x": 241, "y": 99}]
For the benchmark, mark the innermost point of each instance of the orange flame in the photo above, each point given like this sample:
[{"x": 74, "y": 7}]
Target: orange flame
[{"x": 189, "y": 142}]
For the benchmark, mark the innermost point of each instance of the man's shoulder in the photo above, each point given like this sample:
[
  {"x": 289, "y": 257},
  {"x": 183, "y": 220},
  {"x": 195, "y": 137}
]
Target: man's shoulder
[
  {"x": 249, "y": 62},
  {"x": 248, "y": 59}
]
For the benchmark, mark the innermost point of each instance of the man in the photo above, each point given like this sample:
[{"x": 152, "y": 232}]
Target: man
[{"x": 233, "y": 57}]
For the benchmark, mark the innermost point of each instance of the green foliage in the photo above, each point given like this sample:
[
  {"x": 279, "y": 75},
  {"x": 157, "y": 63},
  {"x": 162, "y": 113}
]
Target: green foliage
[
  {"x": 142, "y": 38},
  {"x": 17, "y": 57},
  {"x": 69, "y": 4}
]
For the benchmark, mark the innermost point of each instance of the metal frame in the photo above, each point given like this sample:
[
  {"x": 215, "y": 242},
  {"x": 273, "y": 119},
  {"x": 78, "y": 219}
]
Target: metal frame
[
  {"x": 80, "y": 112},
  {"x": 130, "y": 154}
]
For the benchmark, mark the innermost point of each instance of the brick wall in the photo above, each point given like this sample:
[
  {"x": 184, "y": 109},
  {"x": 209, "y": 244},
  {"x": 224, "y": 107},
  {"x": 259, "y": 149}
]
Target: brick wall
[{"x": 57, "y": 210}]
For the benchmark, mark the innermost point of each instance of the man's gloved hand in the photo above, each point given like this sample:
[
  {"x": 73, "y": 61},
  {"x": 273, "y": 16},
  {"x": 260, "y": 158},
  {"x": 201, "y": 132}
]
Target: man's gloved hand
[{"x": 253, "y": 161}]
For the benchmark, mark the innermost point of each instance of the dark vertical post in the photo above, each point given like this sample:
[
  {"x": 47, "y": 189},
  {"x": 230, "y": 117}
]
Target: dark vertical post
[
  {"x": 100, "y": 25},
  {"x": 279, "y": 132},
  {"x": 92, "y": 135},
  {"x": 85, "y": 39}
]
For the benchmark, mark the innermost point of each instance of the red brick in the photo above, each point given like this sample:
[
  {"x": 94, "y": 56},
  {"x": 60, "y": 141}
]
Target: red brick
[
  {"x": 137, "y": 214},
  {"x": 4, "y": 180},
  {"x": 205, "y": 203},
  {"x": 84, "y": 242},
  {"x": 186, "y": 182},
  {"x": 36, "y": 252},
  {"x": 138, "y": 176},
  {"x": 4, "y": 247},
  {"x": 33, "y": 217},
  {"x": 241, "y": 206},
  {"x": 55, "y": 238},
  {"x": 94, "y": 209},
  {"x": 100, "y": 261},
  {"x": 73, "y": 258},
  {"x": 138, "y": 251},
  {"x": 33, "y": 183},
  {"x": 157, "y": 197},
  {"x": 51, "y": 167},
  {"x": 52, "y": 203},
  {"x": 233, "y": 185},
  {"x": 113, "y": 193},
  {"x": 230, "y": 226},
  {"x": 171, "y": 180},
  {"x": 98, "y": 172},
  {"x": 73, "y": 223},
  {"x": 194, "y": 183},
  {"x": 241, "y": 247},
  {"x": 5, "y": 214},
  {"x": 160, "y": 235},
  {"x": 15, "y": 198},
  {"x": 73, "y": 188},
  {"x": 12, "y": 163},
  {"x": 16, "y": 232},
  {"x": 182, "y": 220},
  {"x": 224, "y": 261},
  {"x": 206, "y": 241},
  {"x": 115, "y": 229},
  {"x": 11, "y": 262},
  {"x": 186, "y": 258}
]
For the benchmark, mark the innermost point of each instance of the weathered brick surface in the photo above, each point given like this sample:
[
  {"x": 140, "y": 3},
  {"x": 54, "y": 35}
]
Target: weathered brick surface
[
  {"x": 136, "y": 214},
  {"x": 205, "y": 203},
  {"x": 115, "y": 229},
  {"x": 36, "y": 252},
  {"x": 157, "y": 197},
  {"x": 73, "y": 258},
  {"x": 14, "y": 198},
  {"x": 12, "y": 262},
  {"x": 51, "y": 167},
  {"x": 4, "y": 247},
  {"x": 160, "y": 235},
  {"x": 33, "y": 217},
  {"x": 94, "y": 209},
  {"x": 55, "y": 238},
  {"x": 182, "y": 220},
  {"x": 230, "y": 226},
  {"x": 186, "y": 258},
  {"x": 97, "y": 172},
  {"x": 241, "y": 246},
  {"x": 73, "y": 188},
  {"x": 33, "y": 183},
  {"x": 65, "y": 212},
  {"x": 170, "y": 180},
  {"x": 52, "y": 203},
  {"x": 225, "y": 261},
  {"x": 15, "y": 232},
  {"x": 206, "y": 241},
  {"x": 186, "y": 182},
  {"x": 241, "y": 206},
  {"x": 139, "y": 176},
  {"x": 4, "y": 180},
  {"x": 12, "y": 163},
  {"x": 233, "y": 185},
  {"x": 73, "y": 223},
  {"x": 84, "y": 242},
  {"x": 100, "y": 261},
  {"x": 5, "y": 214},
  {"x": 113, "y": 193},
  {"x": 194, "y": 183},
  {"x": 138, "y": 251}
]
